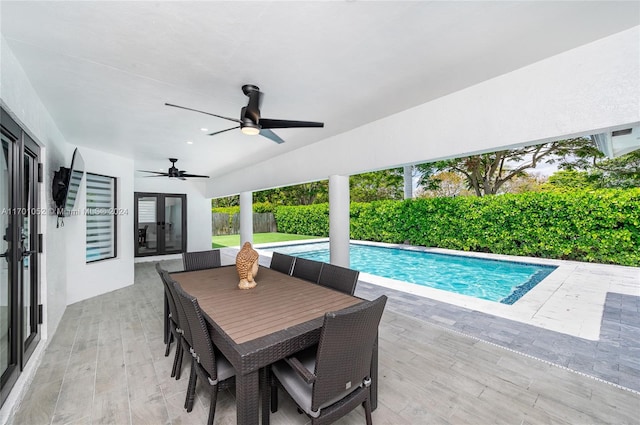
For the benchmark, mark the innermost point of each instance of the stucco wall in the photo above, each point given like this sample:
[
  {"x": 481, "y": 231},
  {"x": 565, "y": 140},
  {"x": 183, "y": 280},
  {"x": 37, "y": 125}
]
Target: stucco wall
[{"x": 86, "y": 280}]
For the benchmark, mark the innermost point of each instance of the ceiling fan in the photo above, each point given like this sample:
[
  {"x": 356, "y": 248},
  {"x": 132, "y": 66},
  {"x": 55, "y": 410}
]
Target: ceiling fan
[
  {"x": 173, "y": 172},
  {"x": 251, "y": 123}
]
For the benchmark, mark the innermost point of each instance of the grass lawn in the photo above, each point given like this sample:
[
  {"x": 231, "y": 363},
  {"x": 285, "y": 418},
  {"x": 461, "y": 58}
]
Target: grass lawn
[{"x": 234, "y": 240}]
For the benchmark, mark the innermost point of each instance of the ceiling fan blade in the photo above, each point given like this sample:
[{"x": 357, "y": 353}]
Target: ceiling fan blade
[
  {"x": 203, "y": 112},
  {"x": 271, "y": 135},
  {"x": 269, "y": 123},
  {"x": 222, "y": 131},
  {"x": 162, "y": 175},
  {"x": 154, "y": 172},
  {"x": 193, "y": 175},
  {"x": 181, "y": 178}
]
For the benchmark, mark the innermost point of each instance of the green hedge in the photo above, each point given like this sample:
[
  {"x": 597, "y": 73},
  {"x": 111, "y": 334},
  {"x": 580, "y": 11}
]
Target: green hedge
[
  {"x": 310, "y": 220},
  {"x": 600, "y": 226}
]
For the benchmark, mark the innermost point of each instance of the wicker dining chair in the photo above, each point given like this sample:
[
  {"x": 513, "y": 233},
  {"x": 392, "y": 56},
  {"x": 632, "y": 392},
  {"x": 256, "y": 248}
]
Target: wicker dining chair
[
  {"x": 307, "y": 269},
  {"x": 332, "y": 381},
  {"x": 175, "y": 331},
  {"x": 339, "y": 278},
  {"x": 200, "y": 260},
  {"x": 186, "y": 342},
  {"x": 208, "y": 363},
  {"x": 282, "y": 262}
]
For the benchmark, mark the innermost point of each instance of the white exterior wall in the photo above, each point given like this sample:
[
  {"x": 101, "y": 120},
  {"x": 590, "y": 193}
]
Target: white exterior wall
[
  {"x": 579, "y": 92},
  {"x": 65, "y": 276},
  {"x": 86, "y": 280}
]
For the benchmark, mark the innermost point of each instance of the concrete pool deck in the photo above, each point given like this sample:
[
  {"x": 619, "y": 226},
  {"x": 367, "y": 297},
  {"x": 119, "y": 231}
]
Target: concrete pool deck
[
  {"x": 570, "y": 300},
  {"x": 583, "y": 317}
]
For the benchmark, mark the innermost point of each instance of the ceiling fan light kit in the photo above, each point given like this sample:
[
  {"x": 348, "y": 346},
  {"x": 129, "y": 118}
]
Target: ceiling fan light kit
[
  {"x": 250, "y": 129},
  {"x": 251, "y": 122}
]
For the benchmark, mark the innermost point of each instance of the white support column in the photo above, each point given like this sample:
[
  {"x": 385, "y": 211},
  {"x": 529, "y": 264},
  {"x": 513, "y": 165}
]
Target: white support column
[
  {"x": 339, "y": 220},
  {"x": 408, "y": 182},
  {"x": 246, "y": 217}
]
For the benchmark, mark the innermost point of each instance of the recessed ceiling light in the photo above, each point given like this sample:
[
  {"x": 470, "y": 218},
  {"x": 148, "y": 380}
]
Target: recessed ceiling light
[
  {"x": 189, "y": 142},
  {"x": 204, "y": 129}
]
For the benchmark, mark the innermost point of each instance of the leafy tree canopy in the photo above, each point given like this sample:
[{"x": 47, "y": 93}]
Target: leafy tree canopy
[
  {"x": 487, "y": 174},
  {"x": 622, "y": 172},
  {"x": 377, "y": 185},
  {"x": 366, "y": 187},
  {"x": 568, "y": 179}
]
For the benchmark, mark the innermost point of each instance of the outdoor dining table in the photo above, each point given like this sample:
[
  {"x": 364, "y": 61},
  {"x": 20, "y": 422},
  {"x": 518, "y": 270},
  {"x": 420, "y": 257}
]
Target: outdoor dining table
[{"x": 256, "y": 327}]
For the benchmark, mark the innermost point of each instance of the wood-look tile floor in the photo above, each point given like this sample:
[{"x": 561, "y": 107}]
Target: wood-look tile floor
[{"x": 105, "y": 365}]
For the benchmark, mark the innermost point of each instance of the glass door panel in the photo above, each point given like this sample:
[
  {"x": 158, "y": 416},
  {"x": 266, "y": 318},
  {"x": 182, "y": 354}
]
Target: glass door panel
[
  {"x": 172, "y": 224},
  {"x": 5, "y": 272},
  {"x": 147, "y": 208},
  {"x": 28, "y": 251}
]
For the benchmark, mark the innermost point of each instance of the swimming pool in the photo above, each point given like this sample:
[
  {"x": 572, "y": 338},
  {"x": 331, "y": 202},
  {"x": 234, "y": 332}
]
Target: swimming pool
[{"x": 493, "y": 280}]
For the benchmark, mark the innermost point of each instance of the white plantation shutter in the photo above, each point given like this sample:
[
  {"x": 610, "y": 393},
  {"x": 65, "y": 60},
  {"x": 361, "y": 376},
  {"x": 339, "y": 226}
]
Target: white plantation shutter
[
  {"x": 101, "y": 217},
  {"x": 146, "y": 211}
]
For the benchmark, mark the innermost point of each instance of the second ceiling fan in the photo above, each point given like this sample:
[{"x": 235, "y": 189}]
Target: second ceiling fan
[{"x": 251, "y": 122}]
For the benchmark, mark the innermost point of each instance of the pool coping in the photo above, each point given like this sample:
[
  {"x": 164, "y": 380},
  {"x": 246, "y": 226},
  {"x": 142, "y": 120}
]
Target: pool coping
[{"x": 570, "y": 300}]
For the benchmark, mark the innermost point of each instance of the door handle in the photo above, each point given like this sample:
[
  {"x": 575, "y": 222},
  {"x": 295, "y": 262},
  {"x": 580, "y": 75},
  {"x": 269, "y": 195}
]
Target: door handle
[{"x": 27, "y": 253}]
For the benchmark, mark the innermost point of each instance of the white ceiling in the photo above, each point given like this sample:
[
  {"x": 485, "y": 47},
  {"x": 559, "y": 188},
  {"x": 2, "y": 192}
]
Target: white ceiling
[{"x": 105, "y": 69}]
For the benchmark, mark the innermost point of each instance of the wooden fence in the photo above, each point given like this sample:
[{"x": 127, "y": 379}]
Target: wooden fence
[{"x": 223, "y": 224}]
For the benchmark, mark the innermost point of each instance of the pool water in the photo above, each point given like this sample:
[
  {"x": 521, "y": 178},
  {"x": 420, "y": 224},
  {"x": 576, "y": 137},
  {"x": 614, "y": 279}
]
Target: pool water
[{"x": 494, "y": 280}]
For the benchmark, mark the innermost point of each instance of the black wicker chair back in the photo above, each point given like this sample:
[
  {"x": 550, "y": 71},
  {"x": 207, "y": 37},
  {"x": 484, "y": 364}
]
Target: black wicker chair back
[
  {"x": 174, "y": 324},
  {"x": 185, "y": 331},
  {"x": 282, "y": 262},
  {"x": 202, "y": 344},
  {"x": 341, "y": 366},
  {"x": 173, "y": 312},
  {"x": 338, "y": 278},
  {"x": 345, "y": 348},
  {"x": 201, "y": 260},
  {"x": 215, "y": 370},
  {"x": 182, "y": 318},
  {"x": 307, "y": 269}
]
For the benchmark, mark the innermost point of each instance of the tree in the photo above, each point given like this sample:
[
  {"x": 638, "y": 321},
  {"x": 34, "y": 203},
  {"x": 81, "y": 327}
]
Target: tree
[
  {"x": 568, "y": 179},
  {"x": 445, "y": 184},
  {"x": 486, "y": 174},
  {"x": 526, "y": 183},
  {"x": 299, "y": 194},
  {"x": 227, "y": 201},
  {"x": 377, "y": 185},
  {"x": 366, "y": 187},
  {"x": 622, "y": 172}
]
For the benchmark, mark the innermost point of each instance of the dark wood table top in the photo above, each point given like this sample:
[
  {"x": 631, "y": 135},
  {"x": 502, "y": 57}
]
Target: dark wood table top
[{"x": 278, "y": 302}]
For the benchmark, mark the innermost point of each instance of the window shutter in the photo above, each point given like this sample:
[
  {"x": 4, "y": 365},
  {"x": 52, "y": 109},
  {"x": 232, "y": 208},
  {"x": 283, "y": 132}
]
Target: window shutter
[{"x": 101, "y": 217}]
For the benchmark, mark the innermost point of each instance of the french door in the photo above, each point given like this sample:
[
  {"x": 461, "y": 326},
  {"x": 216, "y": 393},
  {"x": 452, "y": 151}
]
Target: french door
[
  {"x": 20, "y": 313},
  {"x": 161, "y": 223}
]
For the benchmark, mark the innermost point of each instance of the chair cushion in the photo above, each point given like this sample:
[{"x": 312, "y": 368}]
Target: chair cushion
[
  {"x": 225, "y": 369},
  {"x": 299, "y": 390}
]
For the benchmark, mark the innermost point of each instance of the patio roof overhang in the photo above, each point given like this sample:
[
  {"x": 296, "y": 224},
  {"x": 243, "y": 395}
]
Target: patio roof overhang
[
  {"x": 553, "y": 99},
  {"x": 396, "y": 83}
]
